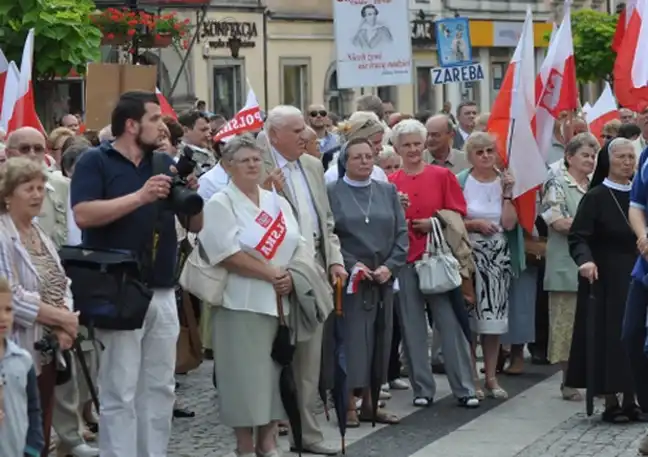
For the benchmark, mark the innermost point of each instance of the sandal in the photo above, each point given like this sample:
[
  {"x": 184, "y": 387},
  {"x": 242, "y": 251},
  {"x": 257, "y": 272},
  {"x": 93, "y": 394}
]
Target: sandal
[
  {"x": 383, "y": 417},
  {"x": 570, "y": 394},
  {"x": 615, "y": 415},
  {"x": 283, "y": 429},
  {"x": 352, "y": 420}
]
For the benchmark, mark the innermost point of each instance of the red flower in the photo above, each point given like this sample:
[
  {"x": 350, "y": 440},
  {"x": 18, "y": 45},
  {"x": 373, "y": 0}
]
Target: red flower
[
  {"x": 132, "y": 23},
  {"x": 185, "y": 44},
  {"x": 130, "y": 32},
  {"x": 187, "y": 21},
  {"x": 158, "y": 36},
  {"x": 110, "y": 36},
  {"x": 114, "y": 17}
]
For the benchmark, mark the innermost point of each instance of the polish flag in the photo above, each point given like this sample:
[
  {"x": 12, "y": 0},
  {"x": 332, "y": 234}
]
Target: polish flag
[
  {"x": 511, "y": 122},
  {"x": 556, "y": 88},
  {"x": 356, "y": 276},
  {"x": 603, "y": 111},
  {"x": 631, "y": 65},
  {"x": 165, "y": 106},
  {"x": 9, "y": 95},
  {"x": 4, "y": 68},
  {"x": 24, "y": 112},
  {"x": 622, "y": 24},
  {"x": 248, "y": 119}
]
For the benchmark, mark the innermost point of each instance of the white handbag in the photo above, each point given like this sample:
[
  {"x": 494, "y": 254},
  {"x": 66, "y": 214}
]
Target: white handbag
[
  {"x": 438, "y": 270},
  {"x": 205, "y": 281}
]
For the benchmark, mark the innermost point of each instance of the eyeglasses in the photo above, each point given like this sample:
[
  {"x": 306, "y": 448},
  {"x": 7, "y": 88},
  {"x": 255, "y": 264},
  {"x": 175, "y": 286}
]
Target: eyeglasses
[
  {"x": 485, "y": 151},
  {"x": 25, "y": 149},
  {"x": 321, "y": 113}
]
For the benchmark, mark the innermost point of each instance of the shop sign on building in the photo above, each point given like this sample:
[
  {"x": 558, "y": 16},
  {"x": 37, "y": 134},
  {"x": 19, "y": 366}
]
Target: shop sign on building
[
  {"x": 463, "y": 74},
  {"x": 217, "y": 33}
]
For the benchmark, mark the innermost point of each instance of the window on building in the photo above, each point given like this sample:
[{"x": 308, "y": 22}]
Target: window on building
[
  {"x": 295, "y": 82},
  {"x": 425, "y": 91},
  {"x": 389, "y": 94},
  {"x": 227, "y": 90}
]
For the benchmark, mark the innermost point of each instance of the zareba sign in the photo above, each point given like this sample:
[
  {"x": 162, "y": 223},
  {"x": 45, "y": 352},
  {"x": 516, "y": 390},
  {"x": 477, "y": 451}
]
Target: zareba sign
[{"x": 217, "y": 33}]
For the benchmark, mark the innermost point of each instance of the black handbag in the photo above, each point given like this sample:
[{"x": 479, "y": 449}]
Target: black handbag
[{"x": 108, "y": 285}]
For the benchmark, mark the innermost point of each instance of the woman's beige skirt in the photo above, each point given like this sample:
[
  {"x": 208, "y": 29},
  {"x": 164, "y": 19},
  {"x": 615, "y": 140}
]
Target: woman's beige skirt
[
  {"x": 246, "y": 375},
  {"x": 562, "y": 312}
]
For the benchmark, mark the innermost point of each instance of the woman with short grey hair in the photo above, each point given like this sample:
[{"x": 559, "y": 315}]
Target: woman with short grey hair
[
  {"x": 256, "y": 292},
  {"x": 562, "y": 194}
]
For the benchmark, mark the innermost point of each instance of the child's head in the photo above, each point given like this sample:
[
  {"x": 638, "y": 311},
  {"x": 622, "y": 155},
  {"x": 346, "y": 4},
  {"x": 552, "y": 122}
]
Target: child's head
[{"x": 6, "y": 308}]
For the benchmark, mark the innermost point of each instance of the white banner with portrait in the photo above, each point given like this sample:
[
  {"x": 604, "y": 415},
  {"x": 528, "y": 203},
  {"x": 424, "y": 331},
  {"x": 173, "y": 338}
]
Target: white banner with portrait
[{"x": 372, "y": 42}]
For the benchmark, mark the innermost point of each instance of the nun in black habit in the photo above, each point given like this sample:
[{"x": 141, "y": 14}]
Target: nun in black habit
[{"x": 603, "y": 246}]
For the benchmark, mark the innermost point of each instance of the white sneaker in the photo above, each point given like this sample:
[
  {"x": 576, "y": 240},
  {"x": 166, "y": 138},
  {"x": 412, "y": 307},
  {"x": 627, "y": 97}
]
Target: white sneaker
[
  {"x": 384, "y": 395},
  {"x": 84, "y": 450},
  {"x": 399, "y": 384},
  {"x": 385, "y": 387}
]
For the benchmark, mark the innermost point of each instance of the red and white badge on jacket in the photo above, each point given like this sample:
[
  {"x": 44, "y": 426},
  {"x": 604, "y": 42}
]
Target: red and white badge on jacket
[{"x": 268, "y": 231}]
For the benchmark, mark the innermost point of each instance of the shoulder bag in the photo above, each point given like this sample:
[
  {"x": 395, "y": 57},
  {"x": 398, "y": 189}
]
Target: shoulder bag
[
  {"x": 109, "y": 286},
  {"x": 438, "y": 270},
  {"x": 202, "y": 279}
]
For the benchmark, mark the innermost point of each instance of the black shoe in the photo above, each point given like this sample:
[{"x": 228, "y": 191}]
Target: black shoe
[
  {"x": 438, "y": 368},
  {"x": 468, "y": 402},
  {"x": 208, "y": 354},
  {"x": 183, "y": 413}
]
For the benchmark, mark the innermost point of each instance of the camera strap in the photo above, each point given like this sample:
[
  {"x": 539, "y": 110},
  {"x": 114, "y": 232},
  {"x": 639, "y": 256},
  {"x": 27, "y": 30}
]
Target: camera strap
[{"x": 147, "y": 256}]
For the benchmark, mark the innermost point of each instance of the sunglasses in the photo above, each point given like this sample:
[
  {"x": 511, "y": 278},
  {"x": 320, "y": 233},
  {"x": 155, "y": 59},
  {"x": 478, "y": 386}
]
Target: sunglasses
[
  {"x": 485, "y": 151},
  {"x": 321, "y": 113}
]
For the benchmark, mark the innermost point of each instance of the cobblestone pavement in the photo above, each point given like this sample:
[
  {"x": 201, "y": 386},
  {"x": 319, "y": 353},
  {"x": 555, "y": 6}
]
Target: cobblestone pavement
[{"x": 580, "y": 436}]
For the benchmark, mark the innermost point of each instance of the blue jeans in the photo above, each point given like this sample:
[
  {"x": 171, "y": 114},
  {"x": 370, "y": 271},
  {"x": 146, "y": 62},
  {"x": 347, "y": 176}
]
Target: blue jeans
[{"x": 633, "y": 337}]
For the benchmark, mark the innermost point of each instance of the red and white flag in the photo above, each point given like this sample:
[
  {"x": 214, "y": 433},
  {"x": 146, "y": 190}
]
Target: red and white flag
[
  {"x": 4, "y": 68},
  {"x": 165, "y": 106},
  {"x": 268, "y": 231},
  {"x": 24, "y": 111},
  {"x": 556, "y": 89},
  {"x": 510, "y": 122},
  {"x": 355, "y": 278},
  {"x": 9, "y": 95},
  {"x": 247, "y": 120},
  {"x": 603, "y": 111},
  {"x": 622, "y": 24},
  {"x": 631, "y": 64}
]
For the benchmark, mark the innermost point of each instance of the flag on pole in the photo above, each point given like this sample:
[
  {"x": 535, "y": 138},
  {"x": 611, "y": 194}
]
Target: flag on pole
[
  {"x": 622, "y": 24},
  {"x": 165, "y": 106},
  {"x": 631, "y": 64},
  {"x": 248, "y": 119},
  {"x": 24, "y": 112},
  {"x": 603, "y": 111},
  {"x": 556, "y": 88},
  {"x": 4, "y": 68},
  {"x": 9, "y": 95},
  {"x": 510, "y": 122}
]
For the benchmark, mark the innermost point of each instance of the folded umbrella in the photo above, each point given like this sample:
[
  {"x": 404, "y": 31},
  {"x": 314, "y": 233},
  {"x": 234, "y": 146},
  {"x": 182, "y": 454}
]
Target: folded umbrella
[
  {"x": 378, "y": 369},
  {"x": 283, "y": 351},
  {"x": 340, "y": 391},
  {"x": 590, "y": 357}
]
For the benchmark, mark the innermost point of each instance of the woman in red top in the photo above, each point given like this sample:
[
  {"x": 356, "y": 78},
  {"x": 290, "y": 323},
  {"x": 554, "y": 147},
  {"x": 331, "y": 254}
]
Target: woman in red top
[{"x": 426, "y": 189}]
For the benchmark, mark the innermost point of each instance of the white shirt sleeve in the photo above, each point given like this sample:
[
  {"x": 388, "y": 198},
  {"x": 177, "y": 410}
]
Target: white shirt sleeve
[
  {"x": 331, "y": 175},
  {"x": 378, "y": 174},
  {"x": 74, "y": 232}
]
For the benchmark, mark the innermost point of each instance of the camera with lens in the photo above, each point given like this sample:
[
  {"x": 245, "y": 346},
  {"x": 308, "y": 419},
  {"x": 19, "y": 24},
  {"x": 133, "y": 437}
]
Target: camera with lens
[
  {"x": 183, "y": 200},
  {"x": 47, "y": 345}
]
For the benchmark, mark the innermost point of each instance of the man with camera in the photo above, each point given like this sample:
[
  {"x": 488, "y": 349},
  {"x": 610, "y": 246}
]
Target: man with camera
[{"x": 123, "y": 199}]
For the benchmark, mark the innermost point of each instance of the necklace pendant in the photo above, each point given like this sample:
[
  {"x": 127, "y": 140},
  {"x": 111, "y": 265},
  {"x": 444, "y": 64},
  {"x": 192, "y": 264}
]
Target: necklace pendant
[{"x": 367, "y": 220}]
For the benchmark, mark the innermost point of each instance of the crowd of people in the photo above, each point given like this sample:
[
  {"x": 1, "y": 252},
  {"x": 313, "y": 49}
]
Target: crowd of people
[{"x": 356, "y": 208}]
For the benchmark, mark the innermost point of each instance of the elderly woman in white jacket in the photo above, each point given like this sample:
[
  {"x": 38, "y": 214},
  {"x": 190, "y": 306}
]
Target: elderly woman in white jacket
[{"x": 244, "y": 327}]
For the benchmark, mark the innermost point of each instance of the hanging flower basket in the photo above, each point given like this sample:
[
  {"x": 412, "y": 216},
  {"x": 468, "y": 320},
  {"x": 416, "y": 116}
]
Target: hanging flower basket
[
  {"x": 162, "y": 40},
  {"x": 110, "y": 39}
]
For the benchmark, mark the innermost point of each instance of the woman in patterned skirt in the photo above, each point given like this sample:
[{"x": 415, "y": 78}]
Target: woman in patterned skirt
[{"x": 490, "y": 217}]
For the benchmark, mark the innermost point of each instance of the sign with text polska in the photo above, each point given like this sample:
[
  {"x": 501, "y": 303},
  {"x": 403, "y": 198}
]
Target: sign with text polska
[
  {"x": 372, "y": 43},
  {"x": 463, "y": 74}
]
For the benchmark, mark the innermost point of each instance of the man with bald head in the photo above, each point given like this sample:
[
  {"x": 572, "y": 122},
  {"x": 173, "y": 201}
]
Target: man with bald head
[
  {"x": 311, "y": 143},
  {"x": 317, "y": 118},
  {"x": 438, "y": 145},
  {"x": 55, "y": 219},
  {"x": 70, "y": 121}
]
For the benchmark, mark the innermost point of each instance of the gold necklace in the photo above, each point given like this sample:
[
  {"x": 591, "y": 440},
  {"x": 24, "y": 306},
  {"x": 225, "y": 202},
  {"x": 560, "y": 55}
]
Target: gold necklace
[{"x": 30, "y": 239}]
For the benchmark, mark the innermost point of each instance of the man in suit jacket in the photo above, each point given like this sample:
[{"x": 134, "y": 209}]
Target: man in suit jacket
[
  {"x": 299, "y": 178},
  {"x": 466, "y": 115}
]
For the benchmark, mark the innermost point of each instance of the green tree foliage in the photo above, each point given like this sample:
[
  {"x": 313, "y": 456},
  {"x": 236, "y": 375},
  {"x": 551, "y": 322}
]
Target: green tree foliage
[
  {"x": 65, "y": 39},
  {"x": 593, "y": 32}
]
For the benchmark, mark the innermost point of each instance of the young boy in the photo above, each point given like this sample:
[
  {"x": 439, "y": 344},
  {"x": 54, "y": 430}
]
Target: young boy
[{"x": 21, "y": 430}]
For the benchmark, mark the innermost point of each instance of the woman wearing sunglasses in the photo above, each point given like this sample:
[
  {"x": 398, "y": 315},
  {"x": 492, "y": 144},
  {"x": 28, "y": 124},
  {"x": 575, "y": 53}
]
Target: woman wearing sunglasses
[{"x": 491, "y": 221}]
